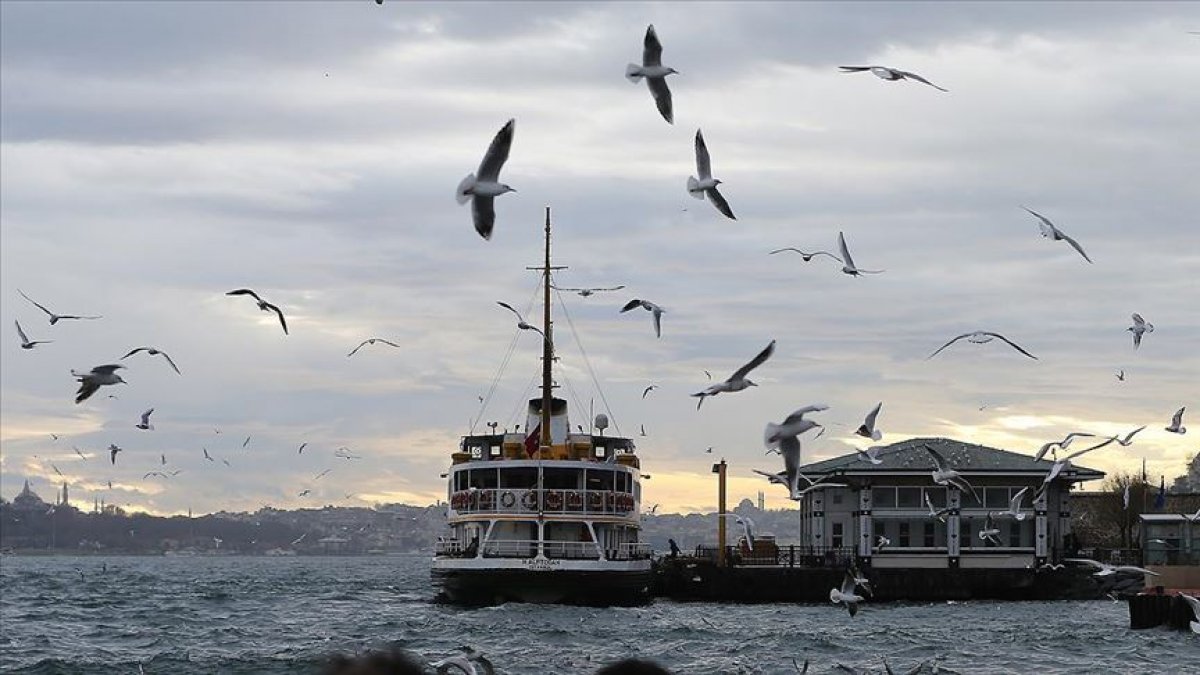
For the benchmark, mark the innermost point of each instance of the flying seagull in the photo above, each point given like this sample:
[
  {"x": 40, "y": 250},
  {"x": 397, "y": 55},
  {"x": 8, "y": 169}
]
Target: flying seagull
[
  {"x": 25, "y": 342},
  {"x": 848, "y": 266},
  {"x": 891, "y": 74},
  {"x": 303, "y": 493},
  {"x": 322, "y": 474},
  {"x": 647, "y": 390},
  {"x": 79, "y": 452},
  {"x": 981, "y": 337},
  {"x": 989, "y": 531},
  {"x": 819, "y": 484},
  {"x": 1060, "y": 445},
  {"x": 1104, "y": 569},
  {"x": 206, "y": 455},
  {"x": 371, "y": 341},
  {"x": 482, "y": 189},
  {"x": 846, "y": 595},
  {"x": 521, "y": 323},
  {"x": 112, "y": 452},
  {"x": 301, "y": 450},
  {"x": 649, "y": 307},
  {"x": 867, "y": 429},
  {"x": 1062, "y": 463},
  {"x": 246, "y": 442},
  {"x": 707, "y": 185},
  {"x": 54, "y": 318},
  {"x": 1054, "y": 234},
  {"x": 870, "y": 455},
  {"x": 1177, "y": 422},
  {"x": 940, "y": 514},
  {"x": 737, "y": 381},
  {"x": 944, "y": 474},
  {"x": 154, "y": 473},
  {"x": 1128, "y": 440},
  {"x": 153, "y": 351},
  {"x": 1121, "y": 372},
  {"x": 145, "y": 425},
  {"x": 807, "y": 257},
  {"x": 747, "y": 527},
  {"x": 655, "y": 73},
  {"x": 263, "y": 305},
  {"x": 55, "y": 469},
  {"x": 1139, "y": 327},
  {"x": 793, "y": 425},
  {"x": 92, "y": 381},
  {"x": 585, "y": 292},
  {"x": 1014, "y": 505}
]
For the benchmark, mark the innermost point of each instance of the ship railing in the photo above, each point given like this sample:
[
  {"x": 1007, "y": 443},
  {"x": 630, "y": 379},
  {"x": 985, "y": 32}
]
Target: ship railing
[
  {"x": 570, "y": 550},
  {"x": 449, "y": 547},
  {"x": 631, "y": 551},
  {"x": 789, "y": 555},
  {"x": 510, "y": 548},
  {"x": 514, "y": 501}
]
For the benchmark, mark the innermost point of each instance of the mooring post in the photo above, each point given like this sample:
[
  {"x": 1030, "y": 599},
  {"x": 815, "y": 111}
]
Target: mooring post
[{"x": 719, "y": 469}]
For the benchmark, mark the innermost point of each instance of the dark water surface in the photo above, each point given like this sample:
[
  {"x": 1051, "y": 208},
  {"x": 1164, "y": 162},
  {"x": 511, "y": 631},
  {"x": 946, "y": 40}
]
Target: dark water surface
[{"x": 286, "y": 615}]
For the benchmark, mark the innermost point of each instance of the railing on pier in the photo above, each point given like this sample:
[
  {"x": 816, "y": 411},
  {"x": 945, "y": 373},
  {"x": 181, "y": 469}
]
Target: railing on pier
[
  {"x": 782, "y": 556},
  {"x": 512, "y": 501},
  {"x": 528, "y": 548}
]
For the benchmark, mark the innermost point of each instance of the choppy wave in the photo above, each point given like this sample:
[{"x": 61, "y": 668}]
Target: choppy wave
[{"x": 287, "y": 615}]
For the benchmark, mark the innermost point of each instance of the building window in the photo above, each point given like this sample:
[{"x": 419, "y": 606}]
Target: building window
[
  {"x": 837, "y": 496},
  {"x": 929, "y": 535},
  {"x": 837, "y": 535},
  {"x": 936, "y": 496},
  {"x": 964, "y": 533},
  {"x": 1014, "y": 534},
  {"x": 908, "y": 497},
  {"x": 995, "y": 498},
  {"x": 904, "y": 534},
  {"x": 880, "y": 531},
  {"x": 883, "y": 497}
]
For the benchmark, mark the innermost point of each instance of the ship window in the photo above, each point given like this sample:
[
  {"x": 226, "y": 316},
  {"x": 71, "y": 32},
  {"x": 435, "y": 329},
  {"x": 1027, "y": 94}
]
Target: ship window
[
  {"x": 522, "y": 478},
  {"x": 484, "y": 479},
  {"x": 599, "y": 479},
  {"x": 460, "y": 480},
  {"x": 560, "y": 479},
  {"x": 883, "y": 497},
  {"x": 908, "y": 497},
  {"x": 624, "y": 482}
]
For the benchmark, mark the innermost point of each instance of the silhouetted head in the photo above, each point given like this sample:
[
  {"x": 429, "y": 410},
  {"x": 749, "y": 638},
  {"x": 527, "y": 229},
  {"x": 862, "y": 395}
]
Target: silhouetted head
[
  {"x": 393, "y": 662},
  {"x": 633, "y": 667}
]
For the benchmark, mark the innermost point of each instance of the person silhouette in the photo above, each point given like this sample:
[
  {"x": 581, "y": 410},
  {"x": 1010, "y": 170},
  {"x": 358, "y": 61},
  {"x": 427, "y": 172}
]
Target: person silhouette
[{"x": 674, "y": 548}]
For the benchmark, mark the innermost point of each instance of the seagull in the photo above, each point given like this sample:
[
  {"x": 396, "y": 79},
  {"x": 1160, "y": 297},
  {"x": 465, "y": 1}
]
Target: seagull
[
  {"x": 1104, "y": 569},
  {"x": 655, "y": 73},
  {"x": 371, "y": 341},
  {"x": 1061, "y": 445},
  {"x": 870, "y": 455},
  {"x": 482, "y": 189},
  {"x": 1121, "y": 372},
  {"x": 891, "y": 74},
  {"x": 643, "y": 429},
  {"x": 943, "y": 474},
  {"x": 807, "y": 257},
  {"x": 940, "y": 514},
  {"x": 860, "y": 579},
  {"x": 521, "y": 323},
  {"x": 707, "y": 185},
  {"x": 112, "y": 452},
  {"x": 301, "y": 450},
  {"x": 1139, "y": 327},
  {"x": 1177, "y": 422},
  {"x": 54, "y": 437},
  {"x": 345, "y": 453},
  {"x": 1128, "y": 440},
  {"x": 882, "y": 542},
  {"x": 789, "y": 447},
  {"x": 649, "y": 307},
  {"x": 868, "y": 430},
  {"x": 55, "y": 469},
  {"x": 1014, "y": 505},
  {"x": 226, "y": 462},
  {"x": 79, "y": 452},
  {"x": 647, "y": 390},
  {"x": 793, "y": 425},
  {"x": 813, "y": 486},
  {"x": 848, "y": 262},
  {"x": 25, "y": 342},
  {"x": 585, "y": 292},
  {"x": 145, "y": 425},
  {"x": 154, "y": 351},
  {"x": 737, "y": 381},
  {"x": 98, "y": 377},
  {"x": 1194, "y": 604},
  {"x": 322, "y": 474},
  {"x": 154, "y": 473},
  {"x": 981, "y": 337},
  {"x": 747, "y": 526},
  {"x": 54, "y": 318},
  {"x": 990, "y": 532},
  {"x": 845, "y": 594},
  {"x": 297, "y": 541},
  {"x": 206, "y": 455},
  {"x": 162, "y": 456},
  {"x": 263, "y": 305},
  {"x": 1054, "y": 234},
  {"x": 303, "y": 493},
  {"x": 1064, "y": 462}
]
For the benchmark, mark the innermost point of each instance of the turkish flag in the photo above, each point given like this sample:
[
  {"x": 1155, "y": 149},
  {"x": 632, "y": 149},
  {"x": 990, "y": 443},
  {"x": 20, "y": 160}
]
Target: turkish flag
[{"x": 533, "y": 440}]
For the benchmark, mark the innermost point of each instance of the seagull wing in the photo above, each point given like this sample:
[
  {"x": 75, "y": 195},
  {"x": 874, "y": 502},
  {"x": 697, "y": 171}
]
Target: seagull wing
[
  {"x": 1138, "y": 321},
  {"x": 703, "y": 163},
  {"x": 647, "y": 390},
  {"x": 657, "y": 312},
  {"x": 1177, "y": 418},
  {"x": 757, "y": 361},
  {"x": 146, "y": 417},
  {"x": 787, "y": 248},
  {"x": 939, "y": 349},
  {"x": 355, "y": 350},
  {"x": 35, "y": 303},
  {"x": 1075, "y": 245},
  {"x": 1045, "y": 221},
  {"x": 855, "y": 69},
  {"x": 847, "y": 260},
  {"x": 170, "y": 361},
  {"x": 718, "y": 200},
  {"x": 1014, "y": 504},
  {"x": 652, "y": 48},
  {"x": 279, "y": 313},
  {"x": 1130, "y": 435},
  {"x": 134, "y": 351},
  {"x": 107, "y": 369},
  {"x": 87, "y": 387},
  {"x": 509, "y": 307},
  {"x": 1012, "y": 344},
  {"x": 662, "y": 97},
  {"x": 24, "y": 339},
  {"x": 1086, "y": 561},
  {"x": 938, "y": 460},
  {"x": 388, "y": 343},
  {"x": 245, "y": 291},
  {"x": 848, "y": 584},
  {"x": 797, "y": 415},
  {"x": 632, "y": 304},
  {"x": 483, "y": 213},
  {"x": 614, "y": 288},
  {"x": 918, "y": 78},
  {"x": 1077, "y": 453},
  {"x": 497, "y": 153},
  {"x": 869, "y": 423}
]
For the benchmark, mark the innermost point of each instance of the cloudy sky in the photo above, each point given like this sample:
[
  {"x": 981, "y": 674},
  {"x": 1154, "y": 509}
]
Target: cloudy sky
[{"x": 155, "y": 155}]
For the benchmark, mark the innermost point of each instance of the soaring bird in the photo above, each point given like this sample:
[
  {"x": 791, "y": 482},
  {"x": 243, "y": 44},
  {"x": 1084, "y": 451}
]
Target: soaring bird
[
  {"x": 649, "y": 307},
  {"x": 301, "y": 450},
  {"x": 263, "y": 305},
  {"x": 1060, "y": 445},
  {"x": 1014, "y": 505},
  {"x": 867, "y": 429},
  {"x": 989, "y": 532},
  {"x": 55, "y": 318},
  {"x": 706, "y": 184},
  {"x": 92, "y": 381},
  {"x": 206, "y": 455},
  {"x": 1177, "y": 423},
  {"x": 1128, "y": 439},
  {"x": 807, "y": 257},
  {"x": 848, "y": 266},
  {"x": 1104, "y": 569},
  {"x": 79, "y": 452},
  {"x": 482, "y": 187},
  {"x": 981, "y": 337},
  {"x": 1051, "y": 232},
  {"x": 1139, "y": 327},
  {"x": 891, "y": 74},
  {"x": 870, "y": 455},
  {"x": 153, "y": 351},
  {"x": 846, "y": 595},
  {"x": 940, "y": 514},
  {"x": 944, "y": 474},
  {"x": 747, "y": 527},
  {"x": 112, "y": 452},
  {"x": 145, "y": 425},
  {"x": 585, "y": 292},
  {"x": 793, "y": 425},
  {"x": 371, "y": 341},
  {"x": 655, "y": 73},
  {"x": 737, "y": 381},
  {"x": 647, "y": 390},
  {"x": 1062, "y": 463},
  {"x": 521, "y": 323},
  {"x": 25, "y": 342}
]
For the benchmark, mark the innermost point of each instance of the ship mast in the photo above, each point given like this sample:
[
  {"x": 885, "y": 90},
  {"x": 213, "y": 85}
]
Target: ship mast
[{"x": 547, "y": 347}]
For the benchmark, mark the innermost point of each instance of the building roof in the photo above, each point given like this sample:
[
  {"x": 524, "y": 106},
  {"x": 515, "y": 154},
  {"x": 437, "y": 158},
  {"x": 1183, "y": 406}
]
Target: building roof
[
  {"x": 910, "y": 457},
  {"x": 1164, "y": 517}
]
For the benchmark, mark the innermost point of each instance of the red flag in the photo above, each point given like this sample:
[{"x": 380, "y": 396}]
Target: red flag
[{"x": 533, "y": 440}]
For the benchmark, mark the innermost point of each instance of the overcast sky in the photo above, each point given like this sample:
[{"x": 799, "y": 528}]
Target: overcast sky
[{"x": 156, "y": 155}]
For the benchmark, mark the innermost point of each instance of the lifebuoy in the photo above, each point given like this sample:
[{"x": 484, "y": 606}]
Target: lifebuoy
[
  {"x": 554, "y": 500},
  {"x": 529, "y": 500},
  {"x": 507, "y": 499},
  {"x": 574, "y": 501}
]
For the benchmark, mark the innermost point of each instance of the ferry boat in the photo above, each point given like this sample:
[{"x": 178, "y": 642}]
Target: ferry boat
[{"x": 544, "y": 516}]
